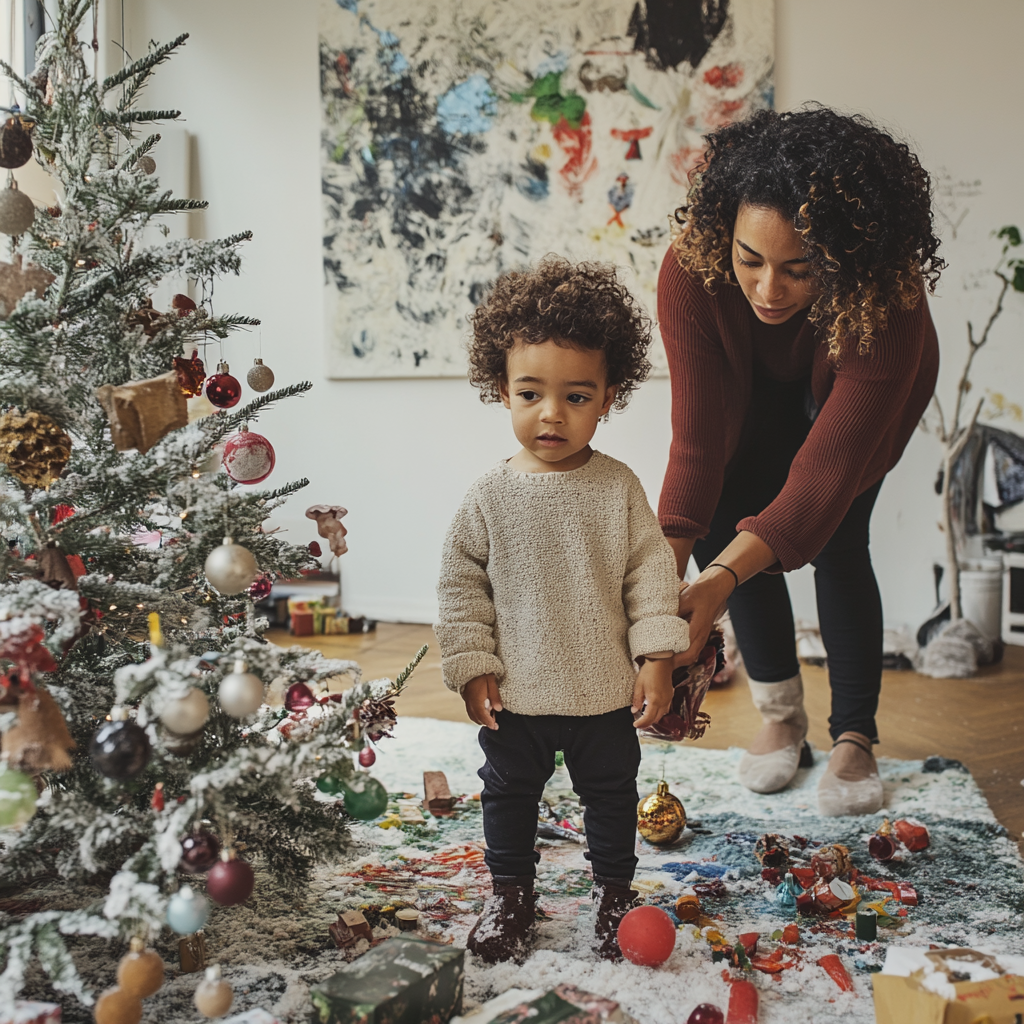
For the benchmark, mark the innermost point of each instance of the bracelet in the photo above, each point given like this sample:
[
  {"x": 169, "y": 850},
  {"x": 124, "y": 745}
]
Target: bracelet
[{"x": 719, "y": 565}]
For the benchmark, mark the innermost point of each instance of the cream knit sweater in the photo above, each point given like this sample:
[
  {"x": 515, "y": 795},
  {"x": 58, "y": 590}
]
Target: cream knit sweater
[{"x": 555, "y": 582}]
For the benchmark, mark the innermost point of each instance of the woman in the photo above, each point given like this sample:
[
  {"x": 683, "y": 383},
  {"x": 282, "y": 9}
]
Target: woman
[{"x": 802, "y": 356}]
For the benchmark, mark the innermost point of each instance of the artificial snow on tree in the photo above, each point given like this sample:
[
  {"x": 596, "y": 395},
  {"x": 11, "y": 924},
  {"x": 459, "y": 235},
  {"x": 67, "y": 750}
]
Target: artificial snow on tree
[{"x": 124, "y": 614}]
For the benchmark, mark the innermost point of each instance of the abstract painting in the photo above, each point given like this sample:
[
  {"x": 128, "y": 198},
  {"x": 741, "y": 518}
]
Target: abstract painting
[{"x": 464, "y": 138}]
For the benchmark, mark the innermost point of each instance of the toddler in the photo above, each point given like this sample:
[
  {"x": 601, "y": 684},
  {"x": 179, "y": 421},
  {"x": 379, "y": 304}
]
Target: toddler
[{"x": 556, "y": 582}]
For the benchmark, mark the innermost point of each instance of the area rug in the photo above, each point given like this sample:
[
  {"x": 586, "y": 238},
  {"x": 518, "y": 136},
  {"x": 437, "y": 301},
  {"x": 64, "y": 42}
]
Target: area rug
[{"x": 969, "y": 883}]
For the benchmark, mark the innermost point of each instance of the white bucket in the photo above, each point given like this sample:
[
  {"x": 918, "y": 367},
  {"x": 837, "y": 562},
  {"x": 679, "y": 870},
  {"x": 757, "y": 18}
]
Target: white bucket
[{"x": 981, "y": 600}]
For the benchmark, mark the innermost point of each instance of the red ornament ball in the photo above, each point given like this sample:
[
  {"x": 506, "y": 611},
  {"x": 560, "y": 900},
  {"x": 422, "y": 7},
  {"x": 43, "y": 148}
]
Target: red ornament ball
[
  {"x": 248, "y": 458},
  {"x": 706, "y": 1013},
  {"x": 314, "y": 549},
  {"x": 367, "y": 757},
  {"x": 61, "y": 512},
  {"x": 199, "y": 852},
  {"x": 647, "y": 936},
  {"x": 222, "y": 389},
  {"x": 261, "y": 587},
  {"x": 299, "y": 697},
  {"x": 230, "y": 881}
]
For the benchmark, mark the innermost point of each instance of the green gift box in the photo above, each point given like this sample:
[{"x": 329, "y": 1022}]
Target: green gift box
[{"x": 401, "y": 981}]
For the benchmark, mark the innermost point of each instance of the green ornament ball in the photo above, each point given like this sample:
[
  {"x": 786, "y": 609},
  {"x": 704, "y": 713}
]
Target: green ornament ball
[
  {"x": 365, "y": 798},
  {"x": 17, "y": 798},
  {"x": 331, "y": 784}
]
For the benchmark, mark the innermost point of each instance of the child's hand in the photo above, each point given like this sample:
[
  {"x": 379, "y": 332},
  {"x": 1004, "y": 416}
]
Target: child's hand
[
  {"x": 653, "y": 688},
  {"x": 483, "y": 700}
]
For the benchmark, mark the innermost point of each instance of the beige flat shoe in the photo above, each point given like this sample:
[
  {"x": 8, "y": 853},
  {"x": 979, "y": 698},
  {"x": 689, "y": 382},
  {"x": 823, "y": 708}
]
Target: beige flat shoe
[
  {"x": 850, "y": 784},
  {"x": 780, "y": 747}
]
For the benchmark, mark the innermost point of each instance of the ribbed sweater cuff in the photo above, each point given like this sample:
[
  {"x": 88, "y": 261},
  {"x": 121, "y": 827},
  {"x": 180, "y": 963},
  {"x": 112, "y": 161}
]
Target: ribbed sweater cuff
[
  {"x": 788, "y": 556},
  {"x": 459, "y": 669},
  {"x": 658, "y": 633},
  {"x": 672, "y": 526}
]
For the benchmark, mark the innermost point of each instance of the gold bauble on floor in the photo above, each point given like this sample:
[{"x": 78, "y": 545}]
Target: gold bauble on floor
[{"x": 660, "y": 817}]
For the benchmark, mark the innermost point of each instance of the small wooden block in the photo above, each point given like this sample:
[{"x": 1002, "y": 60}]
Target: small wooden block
[
  {"x": 192, "y": 953},
  {"x": 350, "y": 927},
  {"x": 437, "y": 797}
]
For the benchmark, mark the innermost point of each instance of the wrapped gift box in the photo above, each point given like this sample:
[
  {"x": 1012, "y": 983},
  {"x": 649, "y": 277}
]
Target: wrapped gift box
[
  {"x": 30, "y": 1013},
  {"x": 401, "y": 981}
]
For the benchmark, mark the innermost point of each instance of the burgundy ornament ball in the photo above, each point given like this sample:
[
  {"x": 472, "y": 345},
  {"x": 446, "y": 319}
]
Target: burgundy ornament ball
[
  {"x": 261, "y": 587},
  {"x": 199, "y": 852},
  {"x": 367, "y": 757},
  {"x": 248, "y": 458},
  {"x": 882, "y": 847},
  {"x": 647, "y": 936},
  {"x": 222, "y": 389},
  {"x": 299, "y": 697},
  {"x": 706, "y": 1013},
  {"x": 230, "y": 881}
]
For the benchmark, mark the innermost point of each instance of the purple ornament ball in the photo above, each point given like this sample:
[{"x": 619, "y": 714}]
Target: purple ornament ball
[{"x": 199, "y": 852}]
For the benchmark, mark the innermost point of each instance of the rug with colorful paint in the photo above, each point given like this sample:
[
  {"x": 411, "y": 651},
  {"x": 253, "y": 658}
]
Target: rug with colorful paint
[{"x": 969, "y": 885}]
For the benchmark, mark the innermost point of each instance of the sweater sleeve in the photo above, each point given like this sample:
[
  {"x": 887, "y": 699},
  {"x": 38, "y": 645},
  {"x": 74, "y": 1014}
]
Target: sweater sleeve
[
  {"x": 465, "y": 622},
  {"x": 696, "y": 464},
  {"x": 650, "y": 588},
  {"x": 868, "y": 395}
]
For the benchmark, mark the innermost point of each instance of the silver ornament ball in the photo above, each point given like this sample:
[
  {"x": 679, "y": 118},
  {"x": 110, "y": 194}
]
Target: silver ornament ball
[
  {"x": 146, "y": 164},
  {"x": 17, "y": 211},
  {"x": 260, "y": 377},
  {"x": 230, "y": 568},
  {"x": 187, "y": 714},
  {"x": 240, "y": 693}
]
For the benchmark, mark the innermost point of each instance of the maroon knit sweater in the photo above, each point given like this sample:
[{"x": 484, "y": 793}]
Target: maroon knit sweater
[{"x": 869, "y": 405}]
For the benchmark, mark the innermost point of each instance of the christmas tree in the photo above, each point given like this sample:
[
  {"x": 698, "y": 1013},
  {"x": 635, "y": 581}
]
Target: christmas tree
[{"x": 137, "y": 742}]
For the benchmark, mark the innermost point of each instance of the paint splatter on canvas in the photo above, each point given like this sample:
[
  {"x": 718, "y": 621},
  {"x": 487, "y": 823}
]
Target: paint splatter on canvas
[{"x": 463, "y": 138}]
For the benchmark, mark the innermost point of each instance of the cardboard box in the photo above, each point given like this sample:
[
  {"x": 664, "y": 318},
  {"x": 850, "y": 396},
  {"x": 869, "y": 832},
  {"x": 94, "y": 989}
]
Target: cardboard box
[
  {"x": 946, "y": 986},
  {"x": 401, "y": 981}
]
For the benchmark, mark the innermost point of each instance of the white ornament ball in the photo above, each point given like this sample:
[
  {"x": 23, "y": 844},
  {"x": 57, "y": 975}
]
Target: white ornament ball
[
  {"x": 187, "y": 714},
  {"x": 248, "y": 457},
  {"x": 231, "y": 568},
  {"x": 213, "y": 995},
  {"x": 260, "y": 377},
  {"x": 17, "y": 211},
  {"x": 240, "y": 693}
]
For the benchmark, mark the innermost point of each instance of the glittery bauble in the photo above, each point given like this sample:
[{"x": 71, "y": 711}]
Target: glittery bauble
[
  {"x": 299, "y": 697},
  {"x": 199, "y": 852},
  {"x": 191, "y": 374},
  {"x": 772, "y": 851},
  {"x": 141, "y": 971},
  {"x": 260, "y": 377},
  {"x": 17, "y": 797},
  {"x": 187, "y": 911},
  {"x": 331, "y": 784},
  {"x": 187, "y": 714},
  {"x": 706, "y": 1013},
  {"x": 832, "y": 861},
  {"x": 34, "y": 449},
  {"x": 261, "y": 587},
  {"x": 222, "y": 389},
  {"x": 660, "y": 817},
  {"x": 119, "y": 750},
  {"x": 248, "y": 457},
  {"x": 17, "y": 211},
  {"x": 230, "y": 881},
  {"x": 230, "y": 568},
  {"x": 15, "y": 144},
  {"x": 647, "y": 936},
  {"x": 213, "y": 995},
  {"x": 115, "y": 1006},
  {"x": 367, "y": 757},
  {"x": 146, "y": 164},
  {"x": 365, "y": 798},
  {"x": 240, "y": 693}
]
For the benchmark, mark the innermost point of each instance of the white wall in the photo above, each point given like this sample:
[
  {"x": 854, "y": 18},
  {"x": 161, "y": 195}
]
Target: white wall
[{"x": 400, "y": 454}]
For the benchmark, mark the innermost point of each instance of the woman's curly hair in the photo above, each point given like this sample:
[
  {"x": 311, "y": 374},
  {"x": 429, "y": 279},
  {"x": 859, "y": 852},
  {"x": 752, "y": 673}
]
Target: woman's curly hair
[
  {"x": 581, "y": 304},
  {"x": 860, "y": 199}
]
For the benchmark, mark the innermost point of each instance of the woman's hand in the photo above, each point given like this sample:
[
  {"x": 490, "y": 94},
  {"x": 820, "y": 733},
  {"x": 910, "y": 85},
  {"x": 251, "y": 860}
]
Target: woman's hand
[{"x": 702, "y": 603}]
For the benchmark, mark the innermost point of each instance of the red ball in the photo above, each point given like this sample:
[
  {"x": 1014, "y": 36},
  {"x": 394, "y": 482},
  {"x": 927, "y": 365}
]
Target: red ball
[
  {"x": 367, "y": 757},
  {"x": 706, "y": 1013},
  {"x": 223, "y": 390},
  {"x": 230, "y": 882},
  {"x": 299, "y": 697},
  {"x": 248, "y": 458},
  {"x": 647, "y": 936},
  {"x": 261, "y": 587}
]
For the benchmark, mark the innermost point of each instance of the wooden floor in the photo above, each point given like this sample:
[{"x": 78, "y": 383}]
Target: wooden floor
[{"x": 978, "y": 721}]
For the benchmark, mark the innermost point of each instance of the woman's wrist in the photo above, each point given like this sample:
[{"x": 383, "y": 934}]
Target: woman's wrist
[{"x": 719, "y": 579}]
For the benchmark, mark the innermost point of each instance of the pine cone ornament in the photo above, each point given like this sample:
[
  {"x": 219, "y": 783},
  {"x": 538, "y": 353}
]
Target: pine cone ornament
[
  {"x": 33, "y": 448},
  {"x": 151, "y": 320}
]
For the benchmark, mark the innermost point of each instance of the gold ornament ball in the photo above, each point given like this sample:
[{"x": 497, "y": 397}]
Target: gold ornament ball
[
  {"x": 141, "y": 971},
  {"x": 213, "y": 995},
  {"x": 660, "y": 817},
  {"x": 146, "y": 164},
  {"x": 230, "y": 568},
  {"x": 260, "y": 377},
  {"x": 17, "y": 211},
  {"x": 115, "y": 1006},
  {"x": 33, "y": 447}
]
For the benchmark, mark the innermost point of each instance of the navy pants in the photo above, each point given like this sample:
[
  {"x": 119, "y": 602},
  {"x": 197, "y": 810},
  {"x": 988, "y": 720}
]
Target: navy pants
[
  {"x": 602, "y": 754},
  {"x": 849, "y": 604}
]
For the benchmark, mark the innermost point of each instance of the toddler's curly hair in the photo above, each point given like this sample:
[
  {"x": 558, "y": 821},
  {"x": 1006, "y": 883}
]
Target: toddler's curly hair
[{"x": 581, "y": 304}]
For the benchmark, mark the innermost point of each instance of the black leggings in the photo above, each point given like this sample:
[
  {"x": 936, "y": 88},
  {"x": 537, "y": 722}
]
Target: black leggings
[{"x": 849, "y": 605}]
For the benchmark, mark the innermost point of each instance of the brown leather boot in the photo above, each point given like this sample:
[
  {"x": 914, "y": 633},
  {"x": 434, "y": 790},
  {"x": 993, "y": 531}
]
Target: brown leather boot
[
  {"x": 502, "y": 931},
  {"x": 614, "y": 898}
]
